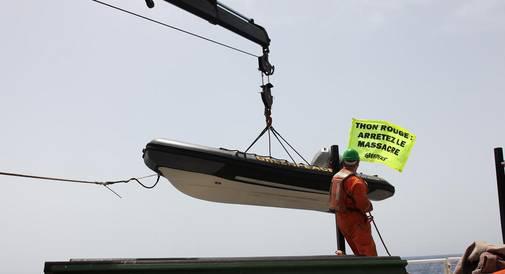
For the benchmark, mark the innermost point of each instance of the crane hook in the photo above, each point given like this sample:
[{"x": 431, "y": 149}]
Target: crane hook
[
  {"x": 264, "y": 65},
  {"x": 268, "y": 100}
]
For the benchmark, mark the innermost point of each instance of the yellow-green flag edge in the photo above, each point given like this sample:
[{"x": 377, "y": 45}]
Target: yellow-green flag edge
[{"x": 380, "y": 141}]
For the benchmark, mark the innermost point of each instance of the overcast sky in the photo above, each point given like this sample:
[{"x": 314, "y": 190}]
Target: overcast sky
[{"x": 85, "y": 87}]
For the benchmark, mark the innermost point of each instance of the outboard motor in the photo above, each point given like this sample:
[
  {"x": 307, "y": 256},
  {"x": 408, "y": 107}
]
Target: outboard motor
[{"x": 322, "y": 158}]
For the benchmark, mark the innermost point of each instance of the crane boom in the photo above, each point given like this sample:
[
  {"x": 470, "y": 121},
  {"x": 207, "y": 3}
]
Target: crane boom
[{"x": 219, "y": 14}]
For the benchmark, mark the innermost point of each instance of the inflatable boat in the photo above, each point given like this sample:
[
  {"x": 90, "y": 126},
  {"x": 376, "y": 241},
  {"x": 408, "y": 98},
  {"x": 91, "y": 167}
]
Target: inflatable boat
[{"x": 230, "y": 176}]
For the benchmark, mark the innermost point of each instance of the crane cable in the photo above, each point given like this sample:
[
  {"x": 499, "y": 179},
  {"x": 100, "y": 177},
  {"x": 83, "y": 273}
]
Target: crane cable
[
  {"x": 106, "y": 184},
  {"x": 176, "y": 28}
]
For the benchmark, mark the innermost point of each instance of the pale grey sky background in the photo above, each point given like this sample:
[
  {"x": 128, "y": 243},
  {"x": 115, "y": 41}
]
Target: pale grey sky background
[{"x": 85, "y": 87}]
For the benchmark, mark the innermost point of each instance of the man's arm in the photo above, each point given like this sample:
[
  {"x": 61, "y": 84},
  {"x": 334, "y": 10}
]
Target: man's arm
[{"x": 359, "y": 192}]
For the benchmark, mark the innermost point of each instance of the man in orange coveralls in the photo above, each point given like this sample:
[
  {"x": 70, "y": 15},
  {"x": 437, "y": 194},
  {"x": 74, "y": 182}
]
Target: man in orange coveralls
[{"x": 349, "y": 201}]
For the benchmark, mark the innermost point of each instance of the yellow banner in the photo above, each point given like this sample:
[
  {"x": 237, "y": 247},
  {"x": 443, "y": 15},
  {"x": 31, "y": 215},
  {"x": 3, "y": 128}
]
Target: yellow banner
[{"x": 381, "y": 142}]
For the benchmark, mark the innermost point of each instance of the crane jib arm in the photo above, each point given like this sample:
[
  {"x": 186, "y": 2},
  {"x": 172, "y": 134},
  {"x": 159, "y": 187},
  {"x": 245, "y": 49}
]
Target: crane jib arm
[{"x": 216, "y": 13}]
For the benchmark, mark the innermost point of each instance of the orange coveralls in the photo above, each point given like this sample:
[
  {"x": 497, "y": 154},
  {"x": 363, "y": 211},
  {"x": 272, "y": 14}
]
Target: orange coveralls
[{"x": 351, "y": 207}]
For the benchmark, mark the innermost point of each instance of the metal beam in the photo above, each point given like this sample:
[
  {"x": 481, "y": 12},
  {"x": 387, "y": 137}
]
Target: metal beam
[
  {"x": 500, "y": 180},
  {"x": 335, "y": 165},
  {"x": 218, "y": 14}
]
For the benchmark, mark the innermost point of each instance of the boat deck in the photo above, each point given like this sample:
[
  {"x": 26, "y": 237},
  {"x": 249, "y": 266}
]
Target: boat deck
[{"x": 242, "y": 265}]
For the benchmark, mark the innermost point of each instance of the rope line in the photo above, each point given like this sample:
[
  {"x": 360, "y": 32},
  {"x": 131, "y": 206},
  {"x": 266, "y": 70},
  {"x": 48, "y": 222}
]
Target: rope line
[
  {"x": 145, "y": 186},
  {"x": 52, "y": 178},
  {"x": 380, "y": 236},
  {"x": 176, "y": 28},
  {"x": 117, "y": 194},
  {"x": 148, "y": 176},
  {"x": 106, "y": 184}
]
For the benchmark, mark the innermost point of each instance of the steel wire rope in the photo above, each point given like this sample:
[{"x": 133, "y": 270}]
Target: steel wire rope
[
  {"x": 275, "y": 134},
  {"x": 269, "y": 144},
  {"x": 175, "y": 28},
  {"x": 275, "y": 131},
  {"x": 257, "y": 138}
]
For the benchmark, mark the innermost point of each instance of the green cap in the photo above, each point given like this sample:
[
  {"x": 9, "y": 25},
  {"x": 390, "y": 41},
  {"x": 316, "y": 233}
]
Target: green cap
[{"x": 350, "y": 155}]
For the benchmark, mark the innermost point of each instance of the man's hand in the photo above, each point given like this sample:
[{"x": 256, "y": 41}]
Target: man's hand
[{"x": 339, "y": 253}]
